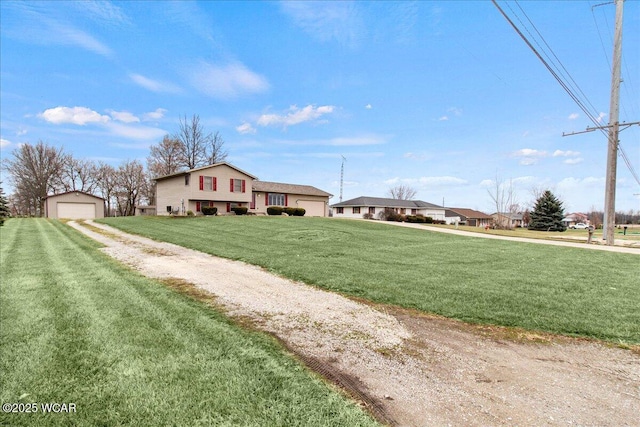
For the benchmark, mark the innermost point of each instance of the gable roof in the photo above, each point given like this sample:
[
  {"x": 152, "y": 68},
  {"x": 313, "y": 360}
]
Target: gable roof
[
  {"x": 278, "y": 187},
  {"x": 386, "y": 203},
  {"x": 74, "y": 191},
  {"x": 181, "y": 173},
  {"x": 468, "y": 213}
]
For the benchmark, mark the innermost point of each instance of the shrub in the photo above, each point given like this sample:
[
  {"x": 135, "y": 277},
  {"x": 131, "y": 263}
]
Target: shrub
[
  {"x": 189, "y": 213},
  {"x": 209, "y": 210},
  {"x": 275, "y": 210},
  {"x": 428, "y": 220},
  {"x": 240, "y": 210},
  {"x": 299, "y": 212},
  {"x": 368, "y": 216},
  {"x": 289, "y": 210}
]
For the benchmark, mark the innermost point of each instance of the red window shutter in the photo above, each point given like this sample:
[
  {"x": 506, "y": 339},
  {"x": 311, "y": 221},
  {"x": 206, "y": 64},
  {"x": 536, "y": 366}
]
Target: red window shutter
[
  {"x": 243, "y": 185},
  {"x": 210, "y": 204},
  {"x": 201, "y": 182},
  {"x": 215, "y": 184},
  {"x": 228, "y": 207},
  {"x": 286, "y": 200},
  {"x": 266, "y": 199},
  {"x": 198, "y": 205},
  {"x": 231, "y": 185}
]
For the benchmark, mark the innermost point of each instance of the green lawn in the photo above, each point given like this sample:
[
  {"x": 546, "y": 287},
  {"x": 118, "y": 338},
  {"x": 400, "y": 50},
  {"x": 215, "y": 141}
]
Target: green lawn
[
  {"x": 570, "y": 291},
  {"x": 78, "y": 328}
]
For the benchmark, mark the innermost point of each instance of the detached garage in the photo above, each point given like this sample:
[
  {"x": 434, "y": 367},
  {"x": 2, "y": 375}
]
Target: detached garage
[{"x": 74, "y": 205}]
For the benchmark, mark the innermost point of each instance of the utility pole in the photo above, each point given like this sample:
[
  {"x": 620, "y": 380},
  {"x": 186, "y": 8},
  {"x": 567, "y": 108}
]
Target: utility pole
[
  {"x": 614, "y": 130},
  {"x": 614, "y": 127}
]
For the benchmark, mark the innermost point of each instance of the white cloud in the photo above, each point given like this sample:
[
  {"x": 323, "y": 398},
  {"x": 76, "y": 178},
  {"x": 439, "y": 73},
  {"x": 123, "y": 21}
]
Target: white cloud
[
  {"x": 124, "y": 116},
  {"x": 455, "y": 110},
  {"x": 228, "y": 81},
  {"x": 560, "y": 153},
  {"x": 529, "y": 156},
  {"x": 295, "y": 116},
  {"x": 4, "y": 142},
  {"x": 328, "y": 21},
  {"x": 601, "y": 116},
  {"x": 245, "y": 128},
  {"x": 157, "y": 86},
  {"x": 154, "y": 115},
  {"x": 573, "y": 116},
  {"x": 443, "y": 119},
  {"x": 368, "y": 107},
  {"x": 65, "y": 34},
  {"x": 75, "y": 115}
]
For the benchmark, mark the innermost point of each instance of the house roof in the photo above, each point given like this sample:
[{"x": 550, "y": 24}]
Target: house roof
[
  {"x": 468, "y": 213},
  {"x": 74, "y": 191},
  {"x": 386, "y": 203},
  {"x": 278, "y": 187},
  {"x": 513, "y": 216},
  {"x": 202, "y": 168}
]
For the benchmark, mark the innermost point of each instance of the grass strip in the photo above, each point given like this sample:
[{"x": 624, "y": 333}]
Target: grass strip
[
  {"x": 563, "y": 290},
  {"x": 76, "y": 327}
]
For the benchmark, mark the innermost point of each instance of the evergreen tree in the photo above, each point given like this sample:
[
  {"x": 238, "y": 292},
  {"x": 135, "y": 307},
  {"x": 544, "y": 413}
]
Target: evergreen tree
[
  {"x": 547, "y": 214},
  {"x": 4, "y": 207}
]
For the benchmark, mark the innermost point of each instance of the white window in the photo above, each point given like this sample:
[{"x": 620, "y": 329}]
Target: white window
[{"x": 276, "y": 199}]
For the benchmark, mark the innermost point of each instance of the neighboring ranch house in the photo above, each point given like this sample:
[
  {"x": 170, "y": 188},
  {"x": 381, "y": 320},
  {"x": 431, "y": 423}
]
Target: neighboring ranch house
[
  {"x": 356, "y": 208},
  {"x": 574, "y": 218},
  {"x": 468, "y": 217},
  {"x": 313, "y": 200},
  {"x": 224, "y": 186},
  {"x": 509, "y": 220},
  {"x": 74, "y": 205}
]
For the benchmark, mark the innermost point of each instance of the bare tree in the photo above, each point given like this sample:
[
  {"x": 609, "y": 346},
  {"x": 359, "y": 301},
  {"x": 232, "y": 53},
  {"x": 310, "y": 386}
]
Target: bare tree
[
  {"x": 215, "y": 149},
  {"x": 77, "y": 175},
  {"x": 194, "y": 142},
  {"x": 34, "y": 170},
  {"x": 130, "y": 184},
  {"x": 402, "y": 192},
  {"x": 505, "y": 201},
  {"x": 166, "y": 157},
  {"x": 106, "y": 184}
]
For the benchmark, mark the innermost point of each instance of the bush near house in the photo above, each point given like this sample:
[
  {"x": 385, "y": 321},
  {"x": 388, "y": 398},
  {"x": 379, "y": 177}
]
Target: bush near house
[
  {"x": 209, "y": 210},
  {"x": 275, "y": 210},
  {"x": 239, "y": 210}
]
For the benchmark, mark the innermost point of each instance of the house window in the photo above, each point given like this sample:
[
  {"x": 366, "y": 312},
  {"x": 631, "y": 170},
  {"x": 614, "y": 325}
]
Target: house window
[
  {"x": 356, "y": 210},
  {"x": 414, "y": 211},
  {"x": 276, "y": 199},
  {"x": 403, "y": 211},
  {"x": 186, "y": 179},
  {"x": 237, "y": 185},
  {"x": 200, "y": 205},
  {"x": 208, "y": 183},
  {"x": 339, "y": 210},
  {"x": 372, "y": 210}
]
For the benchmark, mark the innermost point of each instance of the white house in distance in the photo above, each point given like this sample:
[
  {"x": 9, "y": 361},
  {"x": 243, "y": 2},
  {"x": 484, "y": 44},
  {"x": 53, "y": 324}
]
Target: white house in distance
[
  {"x": 74, "y": 205},
  {"x": 224, "y": 186},
  {"x": 356, "y": 208}
]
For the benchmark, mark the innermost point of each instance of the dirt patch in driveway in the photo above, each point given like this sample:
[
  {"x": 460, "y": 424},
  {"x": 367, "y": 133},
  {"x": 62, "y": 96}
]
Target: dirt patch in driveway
[{"x": 407, "y": 368}]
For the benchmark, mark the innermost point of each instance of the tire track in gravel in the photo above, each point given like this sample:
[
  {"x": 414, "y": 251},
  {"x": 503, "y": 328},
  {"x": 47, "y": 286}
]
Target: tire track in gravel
[{"x": 407, "y": 368}]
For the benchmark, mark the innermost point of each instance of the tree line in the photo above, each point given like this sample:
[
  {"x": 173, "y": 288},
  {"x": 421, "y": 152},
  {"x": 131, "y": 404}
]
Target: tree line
[{"x": 39, "y": 170}]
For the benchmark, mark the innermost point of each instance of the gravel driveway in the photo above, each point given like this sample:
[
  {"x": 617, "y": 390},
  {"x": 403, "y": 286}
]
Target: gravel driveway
[{"x": 407, "y": 368}]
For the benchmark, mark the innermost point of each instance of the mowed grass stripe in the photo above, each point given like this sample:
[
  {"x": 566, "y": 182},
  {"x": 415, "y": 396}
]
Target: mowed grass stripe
[
  {"x": 538, "y": 287},
  {"x": 77, "y": 327}
]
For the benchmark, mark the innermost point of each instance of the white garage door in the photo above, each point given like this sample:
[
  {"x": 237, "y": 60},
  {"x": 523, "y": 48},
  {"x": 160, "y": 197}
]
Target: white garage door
[
  {"x": 313, "y": 208},
  {"x": 76, "y": 210}
]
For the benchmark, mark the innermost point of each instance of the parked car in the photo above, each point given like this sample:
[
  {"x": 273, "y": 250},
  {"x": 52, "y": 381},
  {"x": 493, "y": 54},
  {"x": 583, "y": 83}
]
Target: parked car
[{"x": 580, "y": 226}]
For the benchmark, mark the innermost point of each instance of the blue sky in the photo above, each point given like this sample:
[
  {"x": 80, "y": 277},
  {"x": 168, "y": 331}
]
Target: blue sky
[{"x": 442, "y": 96}]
